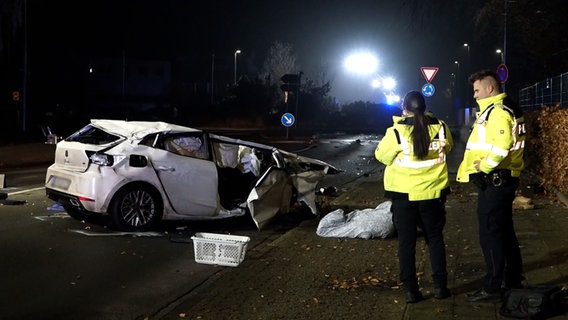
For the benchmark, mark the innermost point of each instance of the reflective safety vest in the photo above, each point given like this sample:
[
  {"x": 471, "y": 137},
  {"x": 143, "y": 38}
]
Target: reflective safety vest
[
  {"x": 420, "y": 179},
  {"x": 497, "y": 140}
]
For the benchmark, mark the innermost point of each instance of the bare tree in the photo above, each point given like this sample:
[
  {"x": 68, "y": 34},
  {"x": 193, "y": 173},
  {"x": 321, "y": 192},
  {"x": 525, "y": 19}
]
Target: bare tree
[{"x": 281, "y": 60}]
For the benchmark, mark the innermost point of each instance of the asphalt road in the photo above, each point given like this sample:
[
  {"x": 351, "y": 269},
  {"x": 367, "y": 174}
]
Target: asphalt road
[{"x": 55, "y": 267}]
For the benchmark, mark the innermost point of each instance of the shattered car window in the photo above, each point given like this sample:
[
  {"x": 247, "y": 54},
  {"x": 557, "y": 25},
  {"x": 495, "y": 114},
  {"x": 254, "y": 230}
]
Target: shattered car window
[
  {"x": 149, "y": 140},
  {"x": 190, "y": 146},
  {"x": 92, "y": 135}
]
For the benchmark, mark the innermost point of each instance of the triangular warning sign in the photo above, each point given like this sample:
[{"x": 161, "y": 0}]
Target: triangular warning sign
[{"x": 429, "y": 73}]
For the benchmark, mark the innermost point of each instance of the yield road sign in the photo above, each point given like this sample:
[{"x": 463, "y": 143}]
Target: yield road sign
[
  {"x": 429, "y": 73},
  {"x": 287, "y": 119}
]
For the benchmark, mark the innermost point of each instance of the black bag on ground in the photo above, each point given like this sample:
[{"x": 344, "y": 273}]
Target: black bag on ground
[{"x": 532, "y": 302}]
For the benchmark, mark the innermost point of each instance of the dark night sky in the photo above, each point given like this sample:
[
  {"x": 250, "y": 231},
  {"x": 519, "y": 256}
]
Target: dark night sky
[{"x": 322, "y": 32}]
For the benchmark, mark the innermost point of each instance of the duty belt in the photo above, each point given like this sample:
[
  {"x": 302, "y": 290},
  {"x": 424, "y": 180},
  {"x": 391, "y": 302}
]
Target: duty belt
[{"x": 495, "y": 178}]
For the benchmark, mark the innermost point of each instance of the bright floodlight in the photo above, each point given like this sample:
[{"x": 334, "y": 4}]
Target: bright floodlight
[
  {"x": 389, "y": 83},
  {"x": 362, "y": 63},
  {"x": 376, "y": 83},
  {"x": 386, "y": 84}
]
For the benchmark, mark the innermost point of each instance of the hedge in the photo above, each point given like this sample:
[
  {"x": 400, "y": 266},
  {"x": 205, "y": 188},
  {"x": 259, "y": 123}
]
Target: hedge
[{"x": 546, "y": 145}]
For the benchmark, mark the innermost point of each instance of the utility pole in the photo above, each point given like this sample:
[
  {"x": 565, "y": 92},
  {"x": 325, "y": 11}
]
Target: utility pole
[
  {"x": 25, "y": 76},
  {"x": 504, "y": 53},
  {"x": 123, "y": 73},
  {"x": 298, "y": 96},
  {"x": 212, "y": 77},
  {"x": 505, "y": 34}
]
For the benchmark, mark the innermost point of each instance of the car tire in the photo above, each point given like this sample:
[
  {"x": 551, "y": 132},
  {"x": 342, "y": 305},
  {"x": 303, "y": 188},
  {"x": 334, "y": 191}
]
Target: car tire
[{"x": 136, "y": 208}]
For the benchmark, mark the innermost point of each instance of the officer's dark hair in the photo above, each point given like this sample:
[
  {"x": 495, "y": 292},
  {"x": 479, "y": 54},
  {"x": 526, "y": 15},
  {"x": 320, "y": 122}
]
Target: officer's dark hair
[
  {"x": 414, "y": 102},
  {"x": 484, "y": 74}
]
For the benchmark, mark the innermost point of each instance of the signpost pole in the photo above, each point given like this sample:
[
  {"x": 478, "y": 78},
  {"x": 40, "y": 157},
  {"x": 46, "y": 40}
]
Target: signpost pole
[
  {"x": 298, "y": 96},
  {"x": 287, "y": 120}
]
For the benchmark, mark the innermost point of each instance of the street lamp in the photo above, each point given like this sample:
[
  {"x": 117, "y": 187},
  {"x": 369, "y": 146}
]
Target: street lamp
[
  {"x": 458, "y": 83},
  {"x": 466, "y": 72},
  {"x": 468, "y": 65},
  {"x": 235, "y": 77},
  {"x": 501, "y": 53}
]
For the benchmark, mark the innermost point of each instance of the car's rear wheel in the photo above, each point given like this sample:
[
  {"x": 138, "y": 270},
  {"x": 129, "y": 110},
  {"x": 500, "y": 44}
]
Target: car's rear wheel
[{"x": 136, "y": 208}]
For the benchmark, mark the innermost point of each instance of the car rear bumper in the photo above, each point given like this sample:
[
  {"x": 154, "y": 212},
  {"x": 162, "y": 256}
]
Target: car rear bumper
[
  {"x": 65, "y": 199},
  {"x": 86, "y": 190}
]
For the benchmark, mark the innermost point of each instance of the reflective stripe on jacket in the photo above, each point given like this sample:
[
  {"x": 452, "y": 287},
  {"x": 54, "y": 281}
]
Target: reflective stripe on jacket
[
  {"x": 404, "y": 173},
  {"x": 497, "y": 140}
]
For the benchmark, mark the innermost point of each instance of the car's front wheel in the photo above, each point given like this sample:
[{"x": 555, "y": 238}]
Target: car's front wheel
[{"x": 136, "y": 208}]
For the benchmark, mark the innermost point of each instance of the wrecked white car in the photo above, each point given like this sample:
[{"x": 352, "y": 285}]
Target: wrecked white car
[{"x": 141, "y": 172}]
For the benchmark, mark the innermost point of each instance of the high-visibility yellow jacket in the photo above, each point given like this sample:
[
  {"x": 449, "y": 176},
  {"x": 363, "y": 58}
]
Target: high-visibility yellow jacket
[
  {"x": 497, "y": 139},
  {"x": 404, "y": 173}
]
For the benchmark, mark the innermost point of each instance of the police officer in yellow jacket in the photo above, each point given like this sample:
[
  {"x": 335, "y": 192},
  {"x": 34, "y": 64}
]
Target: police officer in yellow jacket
[
  {"x": 416, "y": 180},
  {"x": 493, "y": 160}
]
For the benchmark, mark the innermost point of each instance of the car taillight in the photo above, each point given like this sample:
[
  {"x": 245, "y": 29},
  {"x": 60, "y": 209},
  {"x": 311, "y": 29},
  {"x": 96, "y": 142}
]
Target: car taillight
[{"x": 102, "y": 159}]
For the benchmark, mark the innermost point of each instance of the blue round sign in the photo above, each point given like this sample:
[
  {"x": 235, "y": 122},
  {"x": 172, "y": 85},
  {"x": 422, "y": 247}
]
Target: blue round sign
[
  {"x": 502, "y": 73},
  {"x": 428, "y": 90},
  {"x": 287, "y": 119}
]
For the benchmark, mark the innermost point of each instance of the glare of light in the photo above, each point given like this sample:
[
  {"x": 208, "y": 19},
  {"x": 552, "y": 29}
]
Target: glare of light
[
  {"x": 376, "y": 83},
  {"x": 389, "y": 83},
  {"x": 392, "y": 99},
  {"x": 361, "y": 63},
  {"x": 498, "y": 51},
  {"x": 386, "y": 84}
]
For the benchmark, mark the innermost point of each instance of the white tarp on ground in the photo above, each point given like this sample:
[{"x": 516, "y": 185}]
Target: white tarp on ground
[{"x": 366, "y": 223}]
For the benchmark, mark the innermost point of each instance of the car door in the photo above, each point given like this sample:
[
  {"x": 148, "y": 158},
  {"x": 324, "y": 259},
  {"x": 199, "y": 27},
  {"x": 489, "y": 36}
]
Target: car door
[
  {"x": 187, "y": 174},
  {"x": 270, "y": 196}
]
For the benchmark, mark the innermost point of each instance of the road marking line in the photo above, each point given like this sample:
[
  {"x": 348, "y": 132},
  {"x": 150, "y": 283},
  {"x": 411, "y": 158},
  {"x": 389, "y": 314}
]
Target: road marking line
[
  {"x": 24, "y": 191},
  {"x": 138, "y": 234},
  {"x": 59, "y": 215}
]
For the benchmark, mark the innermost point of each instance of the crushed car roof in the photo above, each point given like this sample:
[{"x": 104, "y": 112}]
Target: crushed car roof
[{"x": 137, "y": 128}]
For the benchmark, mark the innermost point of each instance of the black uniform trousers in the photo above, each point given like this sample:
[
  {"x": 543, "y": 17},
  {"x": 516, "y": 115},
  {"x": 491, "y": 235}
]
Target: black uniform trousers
[
  {"x": 430, "y": 216},
  {"x": 497, "y": 236}
]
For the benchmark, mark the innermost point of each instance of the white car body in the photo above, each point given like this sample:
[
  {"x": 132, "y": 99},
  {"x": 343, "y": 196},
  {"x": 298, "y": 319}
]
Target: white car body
[{"x": 141, "y": 172}]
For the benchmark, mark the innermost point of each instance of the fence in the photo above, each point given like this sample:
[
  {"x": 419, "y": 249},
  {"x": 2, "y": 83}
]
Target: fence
[{"x": 549, "y": 92}]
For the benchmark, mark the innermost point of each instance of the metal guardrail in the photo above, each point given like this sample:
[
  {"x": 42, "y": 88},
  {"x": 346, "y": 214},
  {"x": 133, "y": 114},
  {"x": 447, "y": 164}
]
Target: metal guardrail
[{"x": 549, "y": 92}]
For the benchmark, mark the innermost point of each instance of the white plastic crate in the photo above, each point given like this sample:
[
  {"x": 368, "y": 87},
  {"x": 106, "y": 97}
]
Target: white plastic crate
[{"x": 221, "y": 249}]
